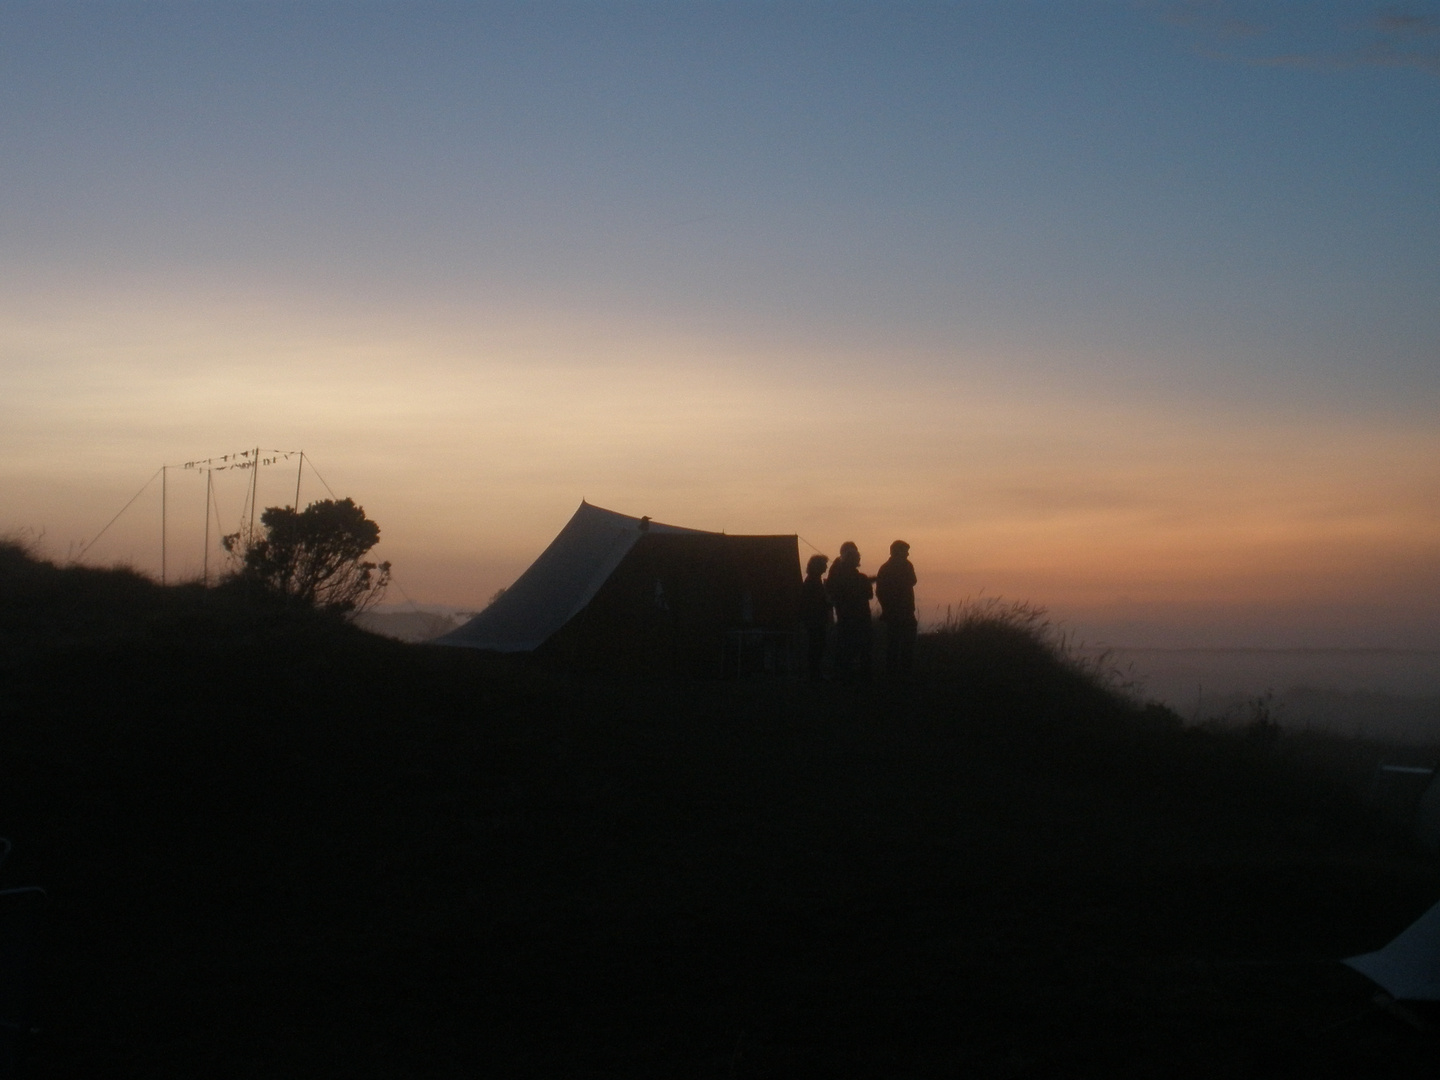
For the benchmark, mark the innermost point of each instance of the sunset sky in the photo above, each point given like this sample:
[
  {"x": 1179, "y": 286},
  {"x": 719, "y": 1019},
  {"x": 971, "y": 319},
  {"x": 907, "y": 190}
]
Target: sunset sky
[{"x": 1128, "y": 309}]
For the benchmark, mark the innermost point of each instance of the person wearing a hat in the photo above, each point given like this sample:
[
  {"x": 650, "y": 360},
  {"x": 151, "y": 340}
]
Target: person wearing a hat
[{"x": 895, "y": 589}]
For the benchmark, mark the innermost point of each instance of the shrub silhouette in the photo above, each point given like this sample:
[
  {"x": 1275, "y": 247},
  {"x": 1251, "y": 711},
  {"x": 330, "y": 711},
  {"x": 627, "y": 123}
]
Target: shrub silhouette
[
  {"x": 992, "y": 640},
  {"x": 315, "y": 557},
  {"x": 1006, "y": 651}
]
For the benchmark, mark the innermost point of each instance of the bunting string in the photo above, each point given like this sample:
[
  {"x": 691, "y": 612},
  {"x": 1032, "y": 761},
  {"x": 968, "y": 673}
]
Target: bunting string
[
  {"x": 241, "y": 459},
  {"x": 244, "y": 459}
]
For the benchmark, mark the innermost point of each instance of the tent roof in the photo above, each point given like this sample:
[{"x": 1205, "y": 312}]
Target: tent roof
[
  {"x": 1408, "y": 969},
  {"x": 565, "y": 578}
]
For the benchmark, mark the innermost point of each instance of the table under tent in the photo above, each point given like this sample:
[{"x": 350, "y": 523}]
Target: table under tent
[{"x": 625, "y": 593}]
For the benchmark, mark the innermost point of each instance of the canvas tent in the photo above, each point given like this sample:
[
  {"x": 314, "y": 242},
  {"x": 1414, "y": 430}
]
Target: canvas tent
[
  {"x": 614, "y": 590},
  {"x": 1408, "y": 969}
]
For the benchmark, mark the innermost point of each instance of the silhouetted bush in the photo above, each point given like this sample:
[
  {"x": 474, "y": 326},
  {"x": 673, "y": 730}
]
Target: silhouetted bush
[
  {"x": 997, "y": 649},
  {"x": 315, "y": 557}
]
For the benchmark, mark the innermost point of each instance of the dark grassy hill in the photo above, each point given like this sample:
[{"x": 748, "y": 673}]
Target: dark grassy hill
[{"x": 278, "y": 846}]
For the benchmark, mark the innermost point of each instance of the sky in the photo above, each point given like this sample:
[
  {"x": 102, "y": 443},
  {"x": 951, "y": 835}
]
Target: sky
[{"x": 1127, "y": 309}]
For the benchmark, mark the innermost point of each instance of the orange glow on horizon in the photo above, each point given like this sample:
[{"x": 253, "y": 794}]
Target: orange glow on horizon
[{"x": 472, "y": 447}]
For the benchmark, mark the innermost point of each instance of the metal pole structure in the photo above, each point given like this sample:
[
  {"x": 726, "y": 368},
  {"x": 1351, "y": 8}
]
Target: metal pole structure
[
  {"x": 206, "y": 559},
  {"x": 244, "y": 503},
  {"x": 297, "y": 481},
  {"x": 254, "y": 490},
  {"x": 164, "y": 476}
]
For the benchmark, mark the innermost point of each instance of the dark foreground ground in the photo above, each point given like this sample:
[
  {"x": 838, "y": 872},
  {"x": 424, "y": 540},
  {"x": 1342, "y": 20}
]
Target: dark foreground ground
[{"x": 279, "y": 847}]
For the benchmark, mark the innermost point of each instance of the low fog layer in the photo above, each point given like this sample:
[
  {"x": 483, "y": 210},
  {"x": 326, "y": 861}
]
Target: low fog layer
[
  {"x": 1383, "y": 693},
  {"x": 1389, "y": 693}
]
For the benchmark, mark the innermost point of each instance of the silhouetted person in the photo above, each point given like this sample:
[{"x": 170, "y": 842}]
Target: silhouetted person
[
  {"x": 850, "y": 592},
  {"x": 895, "y": 589},
  {"x": 816, "y": 612}
]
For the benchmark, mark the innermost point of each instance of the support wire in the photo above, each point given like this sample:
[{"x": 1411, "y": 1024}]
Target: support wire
[{"x": 116, "y": 518}]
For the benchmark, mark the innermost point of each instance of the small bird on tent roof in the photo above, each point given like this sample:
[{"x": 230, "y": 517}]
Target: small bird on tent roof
[{"x": 645, "y": 523}]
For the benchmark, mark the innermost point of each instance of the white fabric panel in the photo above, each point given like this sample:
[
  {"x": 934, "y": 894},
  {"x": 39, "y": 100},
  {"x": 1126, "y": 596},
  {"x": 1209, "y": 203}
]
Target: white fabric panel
[
  {"x": 558, "y": 584},
  {"x": 1408, "y": 969}
]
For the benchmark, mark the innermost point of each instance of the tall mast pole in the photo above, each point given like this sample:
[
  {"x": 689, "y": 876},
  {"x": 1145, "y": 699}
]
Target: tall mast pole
[
  {"x": 254, "y": 490},
  {"x": 206, "y": 557},
  {"x": 297, "y": 481}
]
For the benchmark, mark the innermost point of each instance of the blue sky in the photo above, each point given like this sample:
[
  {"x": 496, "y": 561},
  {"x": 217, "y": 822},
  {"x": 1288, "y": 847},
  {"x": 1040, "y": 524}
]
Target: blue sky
[{"x": 1108, "y": 227}]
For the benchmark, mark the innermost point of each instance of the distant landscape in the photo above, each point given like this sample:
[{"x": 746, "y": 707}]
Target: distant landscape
[
  {"x": 1377, "y": 693},
  {"x": 412, "y": 624},
  {"x": 1389, "y": 694}
]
